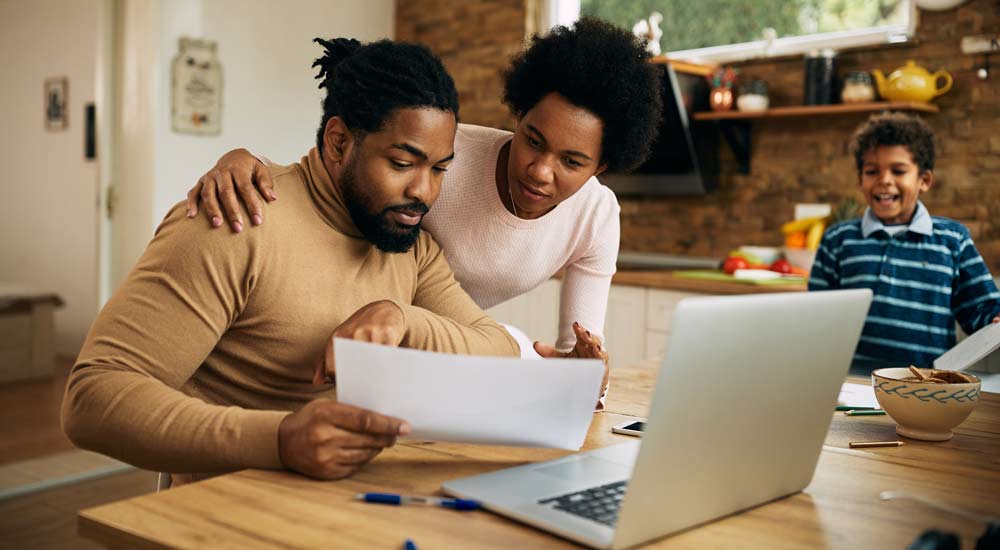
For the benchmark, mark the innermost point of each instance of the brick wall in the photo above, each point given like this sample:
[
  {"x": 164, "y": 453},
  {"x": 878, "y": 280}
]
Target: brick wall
[
  {"x": 794, "y": 160},
  {"x": 476, "y": 40},
  {"x": 806, "y": 159}
]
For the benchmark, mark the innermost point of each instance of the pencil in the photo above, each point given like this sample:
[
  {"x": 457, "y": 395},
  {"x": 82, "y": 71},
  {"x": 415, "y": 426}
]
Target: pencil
[
  {"x": 869, "y": 444},
  {"x": 864, "y": 413},
  {"x": 850, "y": 408}
]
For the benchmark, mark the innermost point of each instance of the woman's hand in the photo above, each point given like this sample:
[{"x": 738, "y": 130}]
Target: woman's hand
[
  {"x": 237, "y": 171},
  {"x": 587, "y": 346}
]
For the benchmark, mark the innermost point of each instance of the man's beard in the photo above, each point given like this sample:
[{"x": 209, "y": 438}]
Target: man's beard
[{"x": 378, "y": 228}]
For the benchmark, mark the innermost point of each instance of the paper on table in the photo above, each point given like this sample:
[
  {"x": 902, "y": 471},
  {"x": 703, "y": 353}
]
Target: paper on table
[
  {"x": 472, "y": 399},
  {"x": 857, "y": 395},
  {"x": 969, "y": 351}
]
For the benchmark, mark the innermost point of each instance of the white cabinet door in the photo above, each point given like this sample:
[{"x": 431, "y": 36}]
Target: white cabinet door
[
  {"x": 625, "y": 326},
  {"x": 535, "y": 312},
  {"x": 660, "y": 308}
]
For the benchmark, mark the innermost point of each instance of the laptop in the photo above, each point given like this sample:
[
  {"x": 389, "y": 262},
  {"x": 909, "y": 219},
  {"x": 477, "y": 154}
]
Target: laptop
[{"x": 742, "y": 405}]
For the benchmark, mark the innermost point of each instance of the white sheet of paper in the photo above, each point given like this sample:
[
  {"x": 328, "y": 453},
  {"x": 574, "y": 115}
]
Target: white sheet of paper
[
  {"x": 472, "y": 399},
  {"x": 969, "y": 351},
  {"x": 857, "y": 395}
]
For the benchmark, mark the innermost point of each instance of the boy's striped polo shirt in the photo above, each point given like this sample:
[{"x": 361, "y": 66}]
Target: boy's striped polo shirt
[{"x": 924, "y": 278}]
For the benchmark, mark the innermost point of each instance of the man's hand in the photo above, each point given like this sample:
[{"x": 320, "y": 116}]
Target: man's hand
[
  {"x": 379, "y": 322},
  {"x": 587, "y": 346},
  {"x": 330, "y": 440},
  {"x": 996, "y": 319},
  {"x": 237, "y": 171}
]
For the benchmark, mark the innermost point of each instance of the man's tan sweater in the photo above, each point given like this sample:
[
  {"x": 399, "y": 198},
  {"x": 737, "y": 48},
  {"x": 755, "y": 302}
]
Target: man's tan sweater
[{"x": 213, "y": 336}]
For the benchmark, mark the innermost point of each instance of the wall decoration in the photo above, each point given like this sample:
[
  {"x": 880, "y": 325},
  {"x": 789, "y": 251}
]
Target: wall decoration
[
  {"x": 196, "y": 88},
  {"x": 56, "y": 97}
]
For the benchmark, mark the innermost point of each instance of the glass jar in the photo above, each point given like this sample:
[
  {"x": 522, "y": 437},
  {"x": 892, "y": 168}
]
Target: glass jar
[
  {"x": 753, "y": 96},
  {"x": 858, "y": 88}
]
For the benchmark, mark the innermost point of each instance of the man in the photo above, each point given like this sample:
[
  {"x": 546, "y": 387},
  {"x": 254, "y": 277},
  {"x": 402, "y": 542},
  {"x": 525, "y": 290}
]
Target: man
[{"x": 194, "y": 364}]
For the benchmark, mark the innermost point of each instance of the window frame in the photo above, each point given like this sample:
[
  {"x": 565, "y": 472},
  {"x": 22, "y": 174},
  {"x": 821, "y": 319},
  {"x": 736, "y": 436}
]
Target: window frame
[{"x": 563, "y": 14}]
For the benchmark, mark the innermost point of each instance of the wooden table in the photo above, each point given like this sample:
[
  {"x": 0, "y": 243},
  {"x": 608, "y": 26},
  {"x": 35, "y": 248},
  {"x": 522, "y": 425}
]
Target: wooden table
[{"x": 839, "y": 509}]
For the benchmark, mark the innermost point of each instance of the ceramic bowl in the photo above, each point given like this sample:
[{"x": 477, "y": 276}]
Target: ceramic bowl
[
  {"x": 766, "y": 254},
  {"x": 800, "y": 257},
  {"x": 924, "y": 411}
]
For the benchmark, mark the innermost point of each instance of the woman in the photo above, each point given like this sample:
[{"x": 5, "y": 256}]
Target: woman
[{"x": 514, "y": 209}]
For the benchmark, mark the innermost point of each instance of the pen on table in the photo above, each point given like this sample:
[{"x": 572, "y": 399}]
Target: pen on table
[
  {"x": 865, "y": 413},
  {"x": 409, "y": 545},
  {"x": 850, "y": 408},
  {"x": 388, "y": 498},
  {"x": 869, "y": 444}
]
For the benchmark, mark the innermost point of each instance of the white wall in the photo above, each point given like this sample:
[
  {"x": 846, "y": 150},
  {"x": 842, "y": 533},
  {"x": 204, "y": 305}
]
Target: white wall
[
  {"x": 270, "y": 99},
  {"x": 49, "y": 209},
  {"x": 48, "y": 192}
]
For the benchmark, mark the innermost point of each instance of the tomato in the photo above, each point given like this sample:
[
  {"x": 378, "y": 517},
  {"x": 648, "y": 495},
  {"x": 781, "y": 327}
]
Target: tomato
[
  {"x": 781, "y": 266},
  {"x": 733, "y": 263}
]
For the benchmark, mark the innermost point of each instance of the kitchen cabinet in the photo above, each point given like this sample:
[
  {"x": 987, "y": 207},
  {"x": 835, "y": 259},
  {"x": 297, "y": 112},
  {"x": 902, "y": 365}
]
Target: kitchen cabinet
[
  {"x": 535, "y": 312},
  {"x": 640, "y": 314},
  {"x": 637, "y": 324}
]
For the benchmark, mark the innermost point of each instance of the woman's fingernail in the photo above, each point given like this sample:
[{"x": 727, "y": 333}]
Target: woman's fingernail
[
  {"x": 274, "y": 196},
  {"x": 216, "y": 221},
  {"x": 237, "y": 226},
  {"x": 404, "y": 428},
  {"x": 190, "y": 213},
  {"x": 257, "y": 220}
]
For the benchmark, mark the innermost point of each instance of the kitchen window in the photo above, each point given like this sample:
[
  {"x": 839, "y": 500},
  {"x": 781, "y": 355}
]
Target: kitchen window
[{"x": 722, "y": 31}]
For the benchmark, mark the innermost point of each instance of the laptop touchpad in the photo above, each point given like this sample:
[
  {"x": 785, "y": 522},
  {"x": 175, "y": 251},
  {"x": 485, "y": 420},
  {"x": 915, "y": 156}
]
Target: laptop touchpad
[{"x": 585, "y": 467}]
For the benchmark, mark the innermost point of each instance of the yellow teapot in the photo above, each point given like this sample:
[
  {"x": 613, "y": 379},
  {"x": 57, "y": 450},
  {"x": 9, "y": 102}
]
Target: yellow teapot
[{"x": 911, "y": 83}]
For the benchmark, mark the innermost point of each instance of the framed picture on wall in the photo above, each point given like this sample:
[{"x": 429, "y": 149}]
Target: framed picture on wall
[{"x": 56, "y": 103}]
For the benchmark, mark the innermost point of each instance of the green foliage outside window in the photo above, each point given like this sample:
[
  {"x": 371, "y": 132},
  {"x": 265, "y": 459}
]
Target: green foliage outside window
[{"x": 689, "y": 24}]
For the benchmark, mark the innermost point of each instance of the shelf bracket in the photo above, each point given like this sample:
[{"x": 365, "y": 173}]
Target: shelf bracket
[{"x": 737, "y": 134}]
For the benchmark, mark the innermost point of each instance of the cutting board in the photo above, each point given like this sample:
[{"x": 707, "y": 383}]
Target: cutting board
[{"x": 723, "y": 276}]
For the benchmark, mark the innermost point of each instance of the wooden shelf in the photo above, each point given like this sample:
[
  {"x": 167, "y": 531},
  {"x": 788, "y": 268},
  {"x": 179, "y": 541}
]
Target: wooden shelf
[
  {"x": 735, "y": 125},
  {"x": 813, "y": 110}
]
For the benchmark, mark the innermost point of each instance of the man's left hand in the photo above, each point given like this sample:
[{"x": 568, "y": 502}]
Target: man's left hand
[{"x": 379, "y": 322}]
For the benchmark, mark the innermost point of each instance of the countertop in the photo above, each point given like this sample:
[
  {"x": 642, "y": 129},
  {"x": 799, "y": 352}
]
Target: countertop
[{"x": 665, "y": 279}]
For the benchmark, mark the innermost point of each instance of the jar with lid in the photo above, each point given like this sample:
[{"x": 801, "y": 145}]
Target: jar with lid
[
  {"x": 858, "y": 88},
  {"x": 753, "y": 96}
]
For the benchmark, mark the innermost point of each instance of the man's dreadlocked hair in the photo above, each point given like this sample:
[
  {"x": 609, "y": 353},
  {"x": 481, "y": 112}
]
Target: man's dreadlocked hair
[{"x": 365, "y": 83}]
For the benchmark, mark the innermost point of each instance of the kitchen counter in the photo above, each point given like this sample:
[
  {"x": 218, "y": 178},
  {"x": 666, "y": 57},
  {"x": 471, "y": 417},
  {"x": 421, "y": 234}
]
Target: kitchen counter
[{"x": 666, "y": 280}]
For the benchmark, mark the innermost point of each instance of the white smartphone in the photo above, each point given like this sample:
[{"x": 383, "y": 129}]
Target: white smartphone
[{"x": 633, "y": 427}]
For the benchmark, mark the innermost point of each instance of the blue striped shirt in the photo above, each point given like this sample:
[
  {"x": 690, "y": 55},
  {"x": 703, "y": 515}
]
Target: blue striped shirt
[{"x": 924, "y": 279}]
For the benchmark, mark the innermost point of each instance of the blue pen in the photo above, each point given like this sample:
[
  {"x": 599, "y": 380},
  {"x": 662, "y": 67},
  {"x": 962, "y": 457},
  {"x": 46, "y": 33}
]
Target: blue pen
[
  {"x": 409, "y": 545},
  {"x": 398, "y": 500}
]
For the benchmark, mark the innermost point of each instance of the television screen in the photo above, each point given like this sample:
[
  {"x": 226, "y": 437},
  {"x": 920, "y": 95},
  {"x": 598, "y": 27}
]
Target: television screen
[{"x": 685, "y": 157}]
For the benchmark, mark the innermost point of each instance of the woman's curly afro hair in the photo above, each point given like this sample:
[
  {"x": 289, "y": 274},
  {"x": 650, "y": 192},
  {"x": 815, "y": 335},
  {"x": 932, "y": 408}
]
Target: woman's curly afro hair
[{"x": 601, "y": 68}]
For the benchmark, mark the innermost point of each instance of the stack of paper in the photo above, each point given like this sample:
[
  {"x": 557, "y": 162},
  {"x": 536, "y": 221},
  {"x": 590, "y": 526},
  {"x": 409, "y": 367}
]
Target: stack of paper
[{"x": 472, "y": 399}]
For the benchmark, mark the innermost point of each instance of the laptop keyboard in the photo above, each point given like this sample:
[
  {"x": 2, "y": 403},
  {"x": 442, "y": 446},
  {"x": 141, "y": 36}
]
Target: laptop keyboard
[{"x": 598, "y": 504}]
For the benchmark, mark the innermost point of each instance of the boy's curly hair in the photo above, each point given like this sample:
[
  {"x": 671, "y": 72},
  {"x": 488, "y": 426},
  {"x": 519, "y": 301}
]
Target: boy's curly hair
[
  {"x": 895, "y": 129},
  {"x": 601, "y": 68}
]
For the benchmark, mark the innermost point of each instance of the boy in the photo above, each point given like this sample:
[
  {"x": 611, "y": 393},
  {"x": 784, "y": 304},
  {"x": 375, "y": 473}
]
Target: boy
[{"x": 924, "y": 270}]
